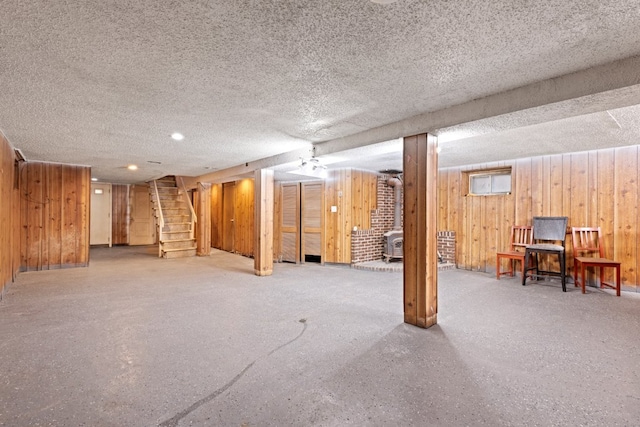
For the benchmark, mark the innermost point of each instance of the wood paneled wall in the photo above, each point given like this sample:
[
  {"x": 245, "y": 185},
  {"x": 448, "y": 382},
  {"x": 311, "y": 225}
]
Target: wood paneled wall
[
  {"x": 54, "y": 209},
  {"x": 120, "y": 214},
  {"x": 202, "y": 205},
  {"x": 9, "y": 215},
  {"x": 216, "y": 216},
  {"x": 244, "y": 216},
  {"x": 277, "y": 222},
  {"x": 595, "y": 188},
  {"x": 354, "y": 193}
]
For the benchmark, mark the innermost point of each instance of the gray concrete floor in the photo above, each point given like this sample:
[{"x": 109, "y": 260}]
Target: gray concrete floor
[{"x": 134, "y": 340}]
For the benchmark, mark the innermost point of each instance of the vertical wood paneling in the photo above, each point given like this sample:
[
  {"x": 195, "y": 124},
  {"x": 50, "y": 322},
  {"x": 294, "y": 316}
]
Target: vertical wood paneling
[
  {"x": 491, "y": 231},
  {"x": 475, "y": 225},
  {"x": 579, "y": 193},
  {"x": 120, "y": 212},
  {"x": 606, "y": 203},
  {"x": 203, "y": 213},
  {"x": 69, "y": 207},
  {"x": 592, "y": 191},
  {"x": 16, "y": 225},
  {"x": 523, "y": 191},
  {"x": 373, "y": 196},
  {"x": 333, "y": 196},
  {"x": 83, "y": 185},
  {"x": 228, "y": 216},
  {"x": 9, "y": 216},
  {"x": 277, "y": 222},
  {"x": 464, "y": 234},
  {"x": 537, "y": 186},
  {"x": 363, "y": 198},
  {"x": 354, "y": 194},
  {"x": 597, "y": 188},
  {"x": 357, "y": 199},
  {"x": 545, "y": 179},
  {"x": 566, "y": 186},
  {"x": 556, "y": 208},
  {"x": 34, "y": 202},
  {"x": 55, "y": 220},
  {"x": 55, "y": 214},
  {"x": 626, "y": 212},
  {"x": 216, "y": 216},
  {"x": 443, "y": 200},
  {"x": 244, "y": 217}
]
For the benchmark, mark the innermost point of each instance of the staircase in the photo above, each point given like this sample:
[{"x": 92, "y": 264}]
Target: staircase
[{"x": 175, "y": 218}]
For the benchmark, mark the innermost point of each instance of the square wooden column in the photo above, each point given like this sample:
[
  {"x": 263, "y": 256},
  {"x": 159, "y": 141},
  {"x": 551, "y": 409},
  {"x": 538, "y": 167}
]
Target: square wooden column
[
  {"x": 263, "y": 224},
  {"x": 203, "y": 225},
  {"x": 420, "y": 174}
]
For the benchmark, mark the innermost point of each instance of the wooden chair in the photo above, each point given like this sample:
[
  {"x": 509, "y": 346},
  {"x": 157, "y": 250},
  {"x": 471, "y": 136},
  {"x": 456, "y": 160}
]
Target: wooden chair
[
  {"x": 586, "y": 240},
  {"x": 549, "y": 231},
  {"x": 521, "y": 236}
]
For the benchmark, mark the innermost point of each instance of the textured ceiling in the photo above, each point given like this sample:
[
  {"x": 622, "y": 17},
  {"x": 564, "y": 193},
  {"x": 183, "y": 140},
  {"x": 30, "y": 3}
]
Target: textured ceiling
[{"x": 105, "y": 83}]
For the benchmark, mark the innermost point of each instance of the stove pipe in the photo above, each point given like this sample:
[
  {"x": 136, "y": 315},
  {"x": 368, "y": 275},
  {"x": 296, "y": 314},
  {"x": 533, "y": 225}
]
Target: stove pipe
[{"x": 397, "y": 203}]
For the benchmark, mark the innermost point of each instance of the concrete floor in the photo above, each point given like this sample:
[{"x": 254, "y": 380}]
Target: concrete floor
[{"x": 134, "y": 340}]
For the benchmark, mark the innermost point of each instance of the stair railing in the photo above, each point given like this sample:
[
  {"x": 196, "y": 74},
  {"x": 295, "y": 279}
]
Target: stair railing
[
  {"x": 194, "y": 219},
  {"x": 161, "y": 227}
]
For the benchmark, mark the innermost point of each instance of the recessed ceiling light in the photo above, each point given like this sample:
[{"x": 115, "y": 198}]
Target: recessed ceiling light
[
  {"x": 132, "y": 167},
  {"x": 177, "y": 136},
  {"x": 383, "y": 1},
  {"x": 94, "y": 179}
]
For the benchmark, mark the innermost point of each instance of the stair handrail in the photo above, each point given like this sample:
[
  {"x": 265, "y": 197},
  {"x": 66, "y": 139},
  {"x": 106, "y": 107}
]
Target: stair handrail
[
  {"x": 184, "y": 194},
  {"x": 155, "y": 187}
]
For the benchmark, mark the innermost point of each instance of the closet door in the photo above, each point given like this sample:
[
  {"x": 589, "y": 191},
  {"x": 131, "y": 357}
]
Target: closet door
[
  {"x": 312, "y": 206},
  {"x": 142, "y": 226},
  {"x": 291, "y": 222},
  {"x": 100, "y": 214},
  {"x": 228, "y": 216}
]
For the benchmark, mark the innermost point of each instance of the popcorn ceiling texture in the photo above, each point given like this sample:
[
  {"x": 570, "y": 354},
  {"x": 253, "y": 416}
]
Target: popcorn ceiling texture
[{"x": 105, "y": 84}]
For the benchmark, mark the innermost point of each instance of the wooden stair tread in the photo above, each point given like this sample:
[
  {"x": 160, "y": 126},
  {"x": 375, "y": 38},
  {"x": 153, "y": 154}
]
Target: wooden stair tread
[{"x": 179, "y": 249}]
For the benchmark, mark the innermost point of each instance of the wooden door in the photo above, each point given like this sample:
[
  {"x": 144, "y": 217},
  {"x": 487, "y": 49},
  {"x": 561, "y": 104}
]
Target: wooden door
[
  {"x": 312, "y": 207},
  {"x": 228, "y": 216},
  {"x": 291, "y": 222},
  {"x": 142, "y": 228},
  {"x": 100, "y": 214}
]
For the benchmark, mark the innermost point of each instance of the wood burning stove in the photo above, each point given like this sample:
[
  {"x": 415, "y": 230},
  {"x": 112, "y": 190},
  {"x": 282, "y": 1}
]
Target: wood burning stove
[{"x": 393, "y": 245}]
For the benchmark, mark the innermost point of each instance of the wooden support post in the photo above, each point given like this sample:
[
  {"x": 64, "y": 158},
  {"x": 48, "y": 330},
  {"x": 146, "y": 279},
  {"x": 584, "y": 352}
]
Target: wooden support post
[
  {"x": 420, "y": 174},
  {"x": 203, "y": 226},
  {"x": 263, "y": 224}
]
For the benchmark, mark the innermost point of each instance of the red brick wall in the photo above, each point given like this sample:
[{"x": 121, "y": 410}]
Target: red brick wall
[{"x": 447, "y": 246}]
